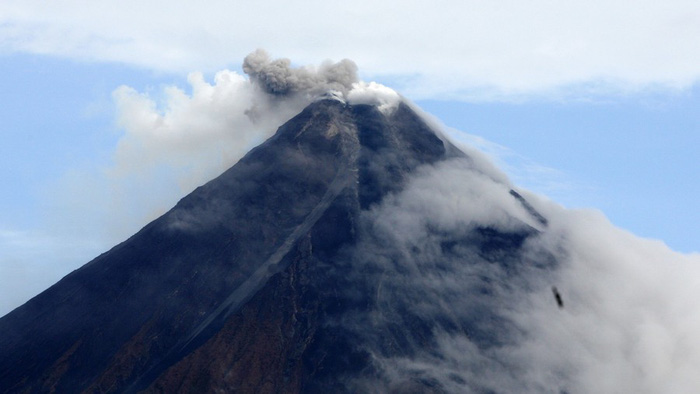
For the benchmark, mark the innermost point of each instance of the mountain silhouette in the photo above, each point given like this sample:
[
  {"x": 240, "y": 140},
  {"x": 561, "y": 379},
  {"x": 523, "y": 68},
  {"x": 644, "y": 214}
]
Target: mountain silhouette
[{"x": 285, "y": 274}]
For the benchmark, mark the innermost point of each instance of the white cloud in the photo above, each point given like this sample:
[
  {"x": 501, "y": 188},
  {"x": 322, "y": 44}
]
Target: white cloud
[
  {"x": 470, "y": 49},
  {"x": 177, "y": 140},
  {"x": 629, "y": 321},
  {"x": 452, "y": 196},
  {"x": 171, "y": 144}
]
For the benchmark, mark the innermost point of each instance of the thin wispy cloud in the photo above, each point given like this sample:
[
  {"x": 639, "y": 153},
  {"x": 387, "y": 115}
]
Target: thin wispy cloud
[{"x": 524, "y": 171}]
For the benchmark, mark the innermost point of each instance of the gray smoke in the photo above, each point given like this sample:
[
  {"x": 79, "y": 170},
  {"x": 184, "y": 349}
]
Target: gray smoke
[{"x": 279, "y": 78}]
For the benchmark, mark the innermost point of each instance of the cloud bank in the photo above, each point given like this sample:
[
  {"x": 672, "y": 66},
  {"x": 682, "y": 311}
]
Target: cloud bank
[
  {"x": 629, "y": 323},
  {"x": 469, "y": 49}
]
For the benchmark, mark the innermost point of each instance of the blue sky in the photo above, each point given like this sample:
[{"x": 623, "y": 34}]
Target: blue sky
[{"x": 594, "y": 104}]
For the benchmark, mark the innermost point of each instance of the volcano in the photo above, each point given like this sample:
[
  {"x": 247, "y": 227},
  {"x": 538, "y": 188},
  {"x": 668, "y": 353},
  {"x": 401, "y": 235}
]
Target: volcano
[{"x": 326, "y": 260}]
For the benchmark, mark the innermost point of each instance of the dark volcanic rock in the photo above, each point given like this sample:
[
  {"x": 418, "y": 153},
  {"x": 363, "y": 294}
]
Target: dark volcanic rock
[{"x": 259, "y": 280}]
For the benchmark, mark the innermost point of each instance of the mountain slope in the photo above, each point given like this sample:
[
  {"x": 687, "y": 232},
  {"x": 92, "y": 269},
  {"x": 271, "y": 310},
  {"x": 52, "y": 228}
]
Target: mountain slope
[{"x": 280, "y": 275}]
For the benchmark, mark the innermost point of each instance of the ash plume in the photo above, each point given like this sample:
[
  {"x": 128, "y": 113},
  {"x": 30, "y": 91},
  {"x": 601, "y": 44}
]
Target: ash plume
[{"x": 277, "y": 76}]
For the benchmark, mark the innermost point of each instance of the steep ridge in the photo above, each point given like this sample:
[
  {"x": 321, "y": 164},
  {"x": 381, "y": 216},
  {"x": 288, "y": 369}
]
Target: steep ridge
[{"x": 270, "y": 278}]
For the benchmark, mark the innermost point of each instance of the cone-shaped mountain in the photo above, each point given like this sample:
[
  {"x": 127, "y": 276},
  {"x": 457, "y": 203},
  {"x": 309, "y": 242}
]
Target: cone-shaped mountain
[{"x": 267, "y": 279}]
